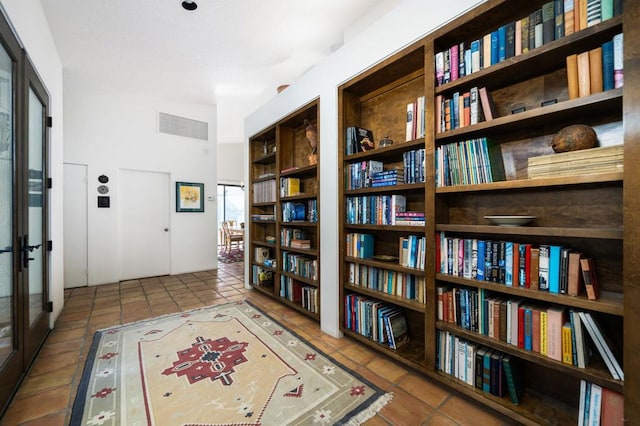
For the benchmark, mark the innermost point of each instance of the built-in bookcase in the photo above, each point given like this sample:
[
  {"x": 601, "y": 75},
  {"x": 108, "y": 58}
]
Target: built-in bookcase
[
  {"x": 284, "y": 226},
  {"x": 590, "y": 211}
]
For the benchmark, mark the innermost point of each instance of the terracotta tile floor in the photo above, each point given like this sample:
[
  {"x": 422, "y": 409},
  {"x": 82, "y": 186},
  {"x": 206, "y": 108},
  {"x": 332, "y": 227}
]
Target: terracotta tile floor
[{"x": 46, "y": 396}]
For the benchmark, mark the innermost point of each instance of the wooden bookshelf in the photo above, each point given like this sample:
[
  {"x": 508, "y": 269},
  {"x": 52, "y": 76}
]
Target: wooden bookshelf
[
  {"x": 277, "y": 153},
  {"x": 593, "y": 213}
]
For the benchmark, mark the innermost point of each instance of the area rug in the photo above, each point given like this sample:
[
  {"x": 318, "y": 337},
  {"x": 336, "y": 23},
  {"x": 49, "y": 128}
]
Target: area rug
[
  {"x": 235, "y": 255},
  {"x": 228, "y": 364}
]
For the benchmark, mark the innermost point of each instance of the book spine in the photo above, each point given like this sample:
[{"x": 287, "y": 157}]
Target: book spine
[{"x": 618, "y": 73}]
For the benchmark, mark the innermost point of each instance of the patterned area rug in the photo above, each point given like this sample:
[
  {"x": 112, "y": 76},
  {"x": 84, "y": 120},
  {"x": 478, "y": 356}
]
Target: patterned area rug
[
  {"x": 227, "y": 364},
  {"x": 235, "y": 255}
]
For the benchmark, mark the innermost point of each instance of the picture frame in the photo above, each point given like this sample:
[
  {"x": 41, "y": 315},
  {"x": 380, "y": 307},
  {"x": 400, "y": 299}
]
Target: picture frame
[{"x": 189, "y": 197}]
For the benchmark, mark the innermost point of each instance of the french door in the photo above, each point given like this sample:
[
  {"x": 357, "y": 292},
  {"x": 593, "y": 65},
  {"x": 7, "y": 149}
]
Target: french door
[{"x": 24, "y": 317}]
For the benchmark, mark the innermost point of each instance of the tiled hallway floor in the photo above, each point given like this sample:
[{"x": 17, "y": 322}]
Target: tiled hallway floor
[{"x": 47, "y": 394}]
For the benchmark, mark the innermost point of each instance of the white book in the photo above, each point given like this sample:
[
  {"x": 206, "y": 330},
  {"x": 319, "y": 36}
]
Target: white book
[
  {"x": 581, "y": 348},
  {"x": 595, "y": 405},
  {"x": 474, "y": 105},
  {"x": 409, "y": 136},
  {"x": 618, "y": 62},
  {"x": 470, "y": 364},
  {"x": 583, "y": 395},
  {"x": 603, "y": 348}
]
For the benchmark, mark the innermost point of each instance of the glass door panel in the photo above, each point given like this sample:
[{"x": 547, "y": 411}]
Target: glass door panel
[
  {"x": 7, "y": 314},
  {"x": 35, "y": 201}
]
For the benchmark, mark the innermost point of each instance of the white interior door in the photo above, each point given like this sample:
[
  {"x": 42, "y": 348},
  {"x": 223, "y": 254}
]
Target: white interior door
[
  {"x": 143, "y": 224},
  {"x": 75, "y": 226}
]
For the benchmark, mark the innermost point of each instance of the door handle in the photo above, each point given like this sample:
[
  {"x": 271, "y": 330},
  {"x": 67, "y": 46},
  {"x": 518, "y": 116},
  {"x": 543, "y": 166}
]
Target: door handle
[
  {"x": 166, "y": 229},
  {"x": 26, "y": 249},
  {"x": 7, "y": 249}
]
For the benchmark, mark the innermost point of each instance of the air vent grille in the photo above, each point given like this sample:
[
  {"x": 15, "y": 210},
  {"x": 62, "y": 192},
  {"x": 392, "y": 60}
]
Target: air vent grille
[{"x": 180, "y": 126}]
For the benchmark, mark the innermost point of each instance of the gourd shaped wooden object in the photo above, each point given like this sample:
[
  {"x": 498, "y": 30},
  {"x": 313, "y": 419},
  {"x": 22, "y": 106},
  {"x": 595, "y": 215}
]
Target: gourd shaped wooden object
[{"x": 312, "y": 136}]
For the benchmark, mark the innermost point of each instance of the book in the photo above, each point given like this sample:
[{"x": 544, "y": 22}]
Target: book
[
  {"x": 548, "y": 23},
  {"x": 558, "y": 15},
  {"x": 582, "y": 350},
  {"x": 569, "y": 22},
  {"x": 590, "y": 278},
  {"x": 584, "y": 79},
  {"x": 595, "y": 404},
  {"x": 556, "y": 318},
  {"x": 554, "y": 269},
  {"x": 488, "y": 109},
  {"x": 607, "y": 65},
  {"x": 618, "y": 61},
  {"x": 612, "y": 413},
  {"x": 410, "y": 127},
  {"x": 567, "y": 344},
  {"x": 581, "y": 402},
  {"x": 594, "y": 331},
  {"x": 534, "y": 263},
  {"x": 594, "y": 12},
  {"x": 543, "y": 268},
  {"x": 572, "y": 75},
  {"x": 595, "y": 70},
  {"x": 574, "y": 277}
]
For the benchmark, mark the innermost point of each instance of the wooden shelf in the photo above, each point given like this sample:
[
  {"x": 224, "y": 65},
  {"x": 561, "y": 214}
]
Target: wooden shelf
[
  {"x": 411, "y": 355},
  {"x": 288, "y": 147},
  {"x": 396, "y": 300},
  {"x": 393, "y": 266},
  {"x": 540, "y": 231},
  {"x": 384, "y": 189},
  {"x": 389, "y": 228}
]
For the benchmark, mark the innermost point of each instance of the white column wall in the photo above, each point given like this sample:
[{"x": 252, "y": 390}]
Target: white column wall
[{"x": 409, "y": 21}]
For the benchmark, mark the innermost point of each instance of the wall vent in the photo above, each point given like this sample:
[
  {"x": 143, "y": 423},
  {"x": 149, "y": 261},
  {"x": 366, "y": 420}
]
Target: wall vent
[{"x": 180, "y": 126}]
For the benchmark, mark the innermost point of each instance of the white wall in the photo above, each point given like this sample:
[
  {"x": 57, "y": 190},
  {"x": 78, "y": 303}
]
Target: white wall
[
  {"x": 409, "y": 21},
  {"x": 27, "y": 18},
  {"x": 231, "y": 163},
  {"x": 109, "y": 132}
]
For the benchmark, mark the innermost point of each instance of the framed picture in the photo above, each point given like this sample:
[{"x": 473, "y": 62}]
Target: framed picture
[{"x": 189, "y": 197}]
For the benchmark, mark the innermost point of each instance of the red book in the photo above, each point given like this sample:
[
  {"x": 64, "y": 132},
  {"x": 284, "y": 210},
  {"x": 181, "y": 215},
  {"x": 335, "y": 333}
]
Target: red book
[
  {"x": 527, "y": 266},
  {"x": 535, "y": 329},
  {"x": 516, "y": 264},
  {"x": 590, "y": 278},
  {"x": 521, "y": 310},
  {"x": 612, "y": 408}
]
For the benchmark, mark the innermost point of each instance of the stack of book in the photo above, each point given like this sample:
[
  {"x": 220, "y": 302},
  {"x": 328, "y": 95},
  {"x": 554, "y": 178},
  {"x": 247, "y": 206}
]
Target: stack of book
[
  {"x": 410, "y": 218},
  {"x": 302, "y": 244},
  {"x": 585, "y": 161},
  {"x": 464, "y": 109},
  {"x": 289, "y": 186},
  {"x": 387, "y": 178}
]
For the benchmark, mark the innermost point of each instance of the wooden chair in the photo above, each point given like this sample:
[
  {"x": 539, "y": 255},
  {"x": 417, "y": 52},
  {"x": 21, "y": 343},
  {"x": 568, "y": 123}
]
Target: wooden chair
[{"x": 231, "y": 237}]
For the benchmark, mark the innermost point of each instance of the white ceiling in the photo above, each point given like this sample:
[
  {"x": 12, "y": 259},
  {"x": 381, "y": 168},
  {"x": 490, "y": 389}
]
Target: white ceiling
[{"x": 232, "y": 53}]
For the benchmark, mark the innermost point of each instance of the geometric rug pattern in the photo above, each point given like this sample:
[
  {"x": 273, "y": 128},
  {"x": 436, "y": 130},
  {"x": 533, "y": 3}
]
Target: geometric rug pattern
[
  {"x": 228, "y": 364},
  {"x": 233, "y": 256}
]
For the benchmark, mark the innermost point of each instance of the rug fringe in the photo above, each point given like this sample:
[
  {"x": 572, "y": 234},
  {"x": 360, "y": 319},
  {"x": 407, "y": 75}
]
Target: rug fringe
[{"x": 370, "y": 411}]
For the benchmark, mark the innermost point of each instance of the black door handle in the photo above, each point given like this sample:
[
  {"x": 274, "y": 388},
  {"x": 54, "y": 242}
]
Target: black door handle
[
  {"x": 26, "y": 249},
  {"x": 7, "y": 249}
]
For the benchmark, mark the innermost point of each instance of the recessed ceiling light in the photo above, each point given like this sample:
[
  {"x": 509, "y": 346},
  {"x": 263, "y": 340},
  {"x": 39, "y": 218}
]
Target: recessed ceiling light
[{"x": 189, "y": 5}]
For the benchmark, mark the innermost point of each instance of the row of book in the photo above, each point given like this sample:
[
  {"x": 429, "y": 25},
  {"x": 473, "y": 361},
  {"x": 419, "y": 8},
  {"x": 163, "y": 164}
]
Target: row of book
[
  {"x": 303, "y": 266},
  {"x": 415, "y": 119},
  {"x": 382, "y": 322},
  {"x": 599, "y": 405},
  {"x": 263, "y": 217},
  {"x": 375, "y": 209},
  {"x": 551, "y": 268},
  {"x": 467, "y": 163},
  {"x": 358, "y": 139},
  {"x": 552, "y": 331},
  {"x": 293, "y": 237},
  {"x": 264, "y": 191},
  {"x": 411, "y": 251},
  {"x": 463, "y": 109},
  {"x": 413, "y": 165},
  {"x": 299, "y": 293},
  {"x": 596, "y": 70},
  {"x": 290, "y": 186},
  {"x": 261, "y": 276},
  {"x": 401, "y": 284},
  {"x": 293, "y": 211},
  {"x": 554, "y": 20},
  {"x": 479, "y": 366},
  {"x": 360, "y": 174},
  {"x": 359, "y": 245}
]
